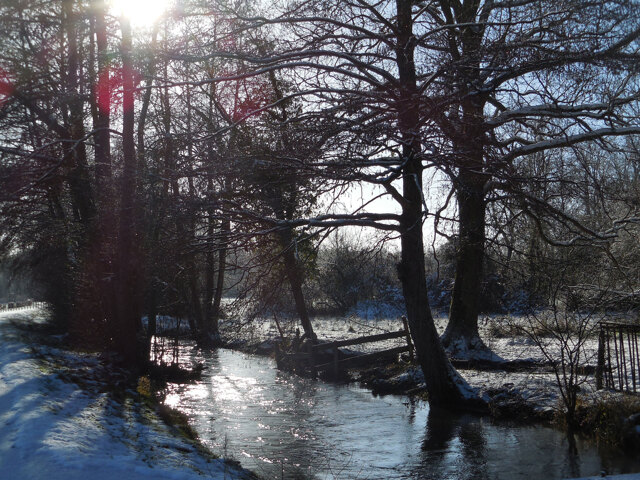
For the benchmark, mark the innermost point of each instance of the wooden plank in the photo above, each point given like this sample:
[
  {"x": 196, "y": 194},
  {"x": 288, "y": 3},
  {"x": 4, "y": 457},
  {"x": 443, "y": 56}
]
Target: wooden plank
[
  {"x": 366, "y": 356},
  {"x": 296, "y": 356},
  {"x": 357, "y": 341}
]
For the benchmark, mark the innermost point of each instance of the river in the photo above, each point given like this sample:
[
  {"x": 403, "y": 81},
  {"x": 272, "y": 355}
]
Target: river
[{"x": 283, "y": 426}]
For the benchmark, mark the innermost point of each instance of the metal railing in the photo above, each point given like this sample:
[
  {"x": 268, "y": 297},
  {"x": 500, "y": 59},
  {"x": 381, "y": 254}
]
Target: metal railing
[
  {"x": 20, "y": 305},
  {"x": 618, "y": 357}
]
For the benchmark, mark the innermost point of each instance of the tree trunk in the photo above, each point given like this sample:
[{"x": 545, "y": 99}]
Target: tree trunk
[
  {"x": 225, "y": 229},
  {"x": 443, "y": 383},
  {"x": 105, "y": 226},
  {"x": 438, "y": 372},
  {"x": 292, "y": 269},
  {"x": 128, "y": 301},
  {"x": 209, "y": 272},
  {"x": 196, "y": 313},
  {"x": 103, "y": 114},
  {"x": 86, "y": 319},
  {"x": 75, "y": 151},
  {"x": 146, "y": 100},
  {"x": 461, "y": 335}
]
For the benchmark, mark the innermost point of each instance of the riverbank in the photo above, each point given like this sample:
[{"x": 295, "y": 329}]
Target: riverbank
[
  {"x": 65, "y": 415},
  {"x": 517, "y": 381},
  {"x": 284, "y": 426}
]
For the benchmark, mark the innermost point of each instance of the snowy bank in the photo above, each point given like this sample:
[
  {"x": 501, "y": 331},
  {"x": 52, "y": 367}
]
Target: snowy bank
[
  {"x": 630, "y": 476},
  {"x": 51, "y": 427}
]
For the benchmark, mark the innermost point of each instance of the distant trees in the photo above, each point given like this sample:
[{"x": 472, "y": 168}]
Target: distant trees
[
  {"x": 16, "y": 280},
  {"x": 47, "y": 199},
  {"x": 356, "y": 272}
]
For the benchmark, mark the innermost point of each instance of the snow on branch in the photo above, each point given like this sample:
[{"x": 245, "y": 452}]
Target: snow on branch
[
  {"x": 569, "y": 140},
  {"x": 592, "y": 110}
]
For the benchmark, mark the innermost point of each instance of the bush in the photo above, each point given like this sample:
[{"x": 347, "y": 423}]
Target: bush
[
  {"x": 351, "y": 275},
  {"x": 606, "y": 418}
]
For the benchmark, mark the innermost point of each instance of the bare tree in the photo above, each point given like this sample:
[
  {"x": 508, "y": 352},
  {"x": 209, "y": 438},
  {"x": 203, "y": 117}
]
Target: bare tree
[{"x": 562, "y": 335}]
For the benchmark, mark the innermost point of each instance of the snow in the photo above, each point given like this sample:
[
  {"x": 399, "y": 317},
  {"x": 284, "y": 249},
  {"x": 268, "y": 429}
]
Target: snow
[
  {"x": 630, "y": 476},
  {"x": 54, "y": 428}
]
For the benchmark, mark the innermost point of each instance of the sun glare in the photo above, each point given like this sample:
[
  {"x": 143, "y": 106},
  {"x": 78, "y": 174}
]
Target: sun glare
[{"x": 141, "y": 13}]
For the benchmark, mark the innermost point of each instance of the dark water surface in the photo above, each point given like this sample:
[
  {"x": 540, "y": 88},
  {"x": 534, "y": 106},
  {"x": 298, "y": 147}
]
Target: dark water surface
[{"x": 283, "y": 426}]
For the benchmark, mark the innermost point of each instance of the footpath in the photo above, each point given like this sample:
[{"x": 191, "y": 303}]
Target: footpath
[{"x": 60, "y": 426}]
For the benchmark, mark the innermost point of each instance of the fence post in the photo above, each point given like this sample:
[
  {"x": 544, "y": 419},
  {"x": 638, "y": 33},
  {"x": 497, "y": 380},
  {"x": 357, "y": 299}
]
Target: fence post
[
  {"x": 408, "y": 337},
  {"x": 600, "y": 366},
  {"x": 312, "y": 359}
]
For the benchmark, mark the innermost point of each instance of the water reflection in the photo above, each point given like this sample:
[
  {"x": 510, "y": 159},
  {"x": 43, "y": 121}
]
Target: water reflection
[
  {"x": 283, "y": 426},
  {"x": 454, "y": 446}
]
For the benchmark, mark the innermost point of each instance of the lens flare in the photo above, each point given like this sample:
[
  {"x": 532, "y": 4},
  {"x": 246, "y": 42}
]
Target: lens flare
[{"x": 141, "y": 13}]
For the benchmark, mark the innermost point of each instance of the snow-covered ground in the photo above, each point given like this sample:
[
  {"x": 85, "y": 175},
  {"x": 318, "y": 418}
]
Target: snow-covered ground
[
  {"x": 508, "y": 347},
  {"x": 630, "y": 476},
  {"x": 52, "y": 428}
]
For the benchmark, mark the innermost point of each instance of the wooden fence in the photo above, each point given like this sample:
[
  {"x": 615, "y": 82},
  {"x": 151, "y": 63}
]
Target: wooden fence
[
  {"x": 315, "y": 357},
  {"x": 618, "y": 357}
]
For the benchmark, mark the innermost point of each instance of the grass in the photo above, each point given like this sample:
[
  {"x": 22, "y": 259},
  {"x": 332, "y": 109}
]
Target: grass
[
  {"x": 604, "y": 419},
  {"x": 541, "y": 325},
  {"x": 178, "y": 420}
]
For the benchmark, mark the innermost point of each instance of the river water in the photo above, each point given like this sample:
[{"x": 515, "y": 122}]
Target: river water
[{"x": 283, "y": 426}]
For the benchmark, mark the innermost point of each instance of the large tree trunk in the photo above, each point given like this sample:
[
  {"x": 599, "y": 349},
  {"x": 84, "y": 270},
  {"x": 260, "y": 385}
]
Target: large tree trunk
[
  {"x": 105, "y": 230},
  {"x": 443, "y": 383},
  {"x": 438, "y": 373},
  {"x": 86, "y": 325},
  {"x": 461, "y": 335},
  {"x": 462, "y": 338}
]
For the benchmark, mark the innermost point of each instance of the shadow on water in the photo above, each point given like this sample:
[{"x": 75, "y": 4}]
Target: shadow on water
[
  {"x": 453, "y": 445},
  {"x": 283, "y": 426}
]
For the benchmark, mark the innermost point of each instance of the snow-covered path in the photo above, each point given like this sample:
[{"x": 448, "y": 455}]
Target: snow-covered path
[{"x": 54, "y": 429}]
